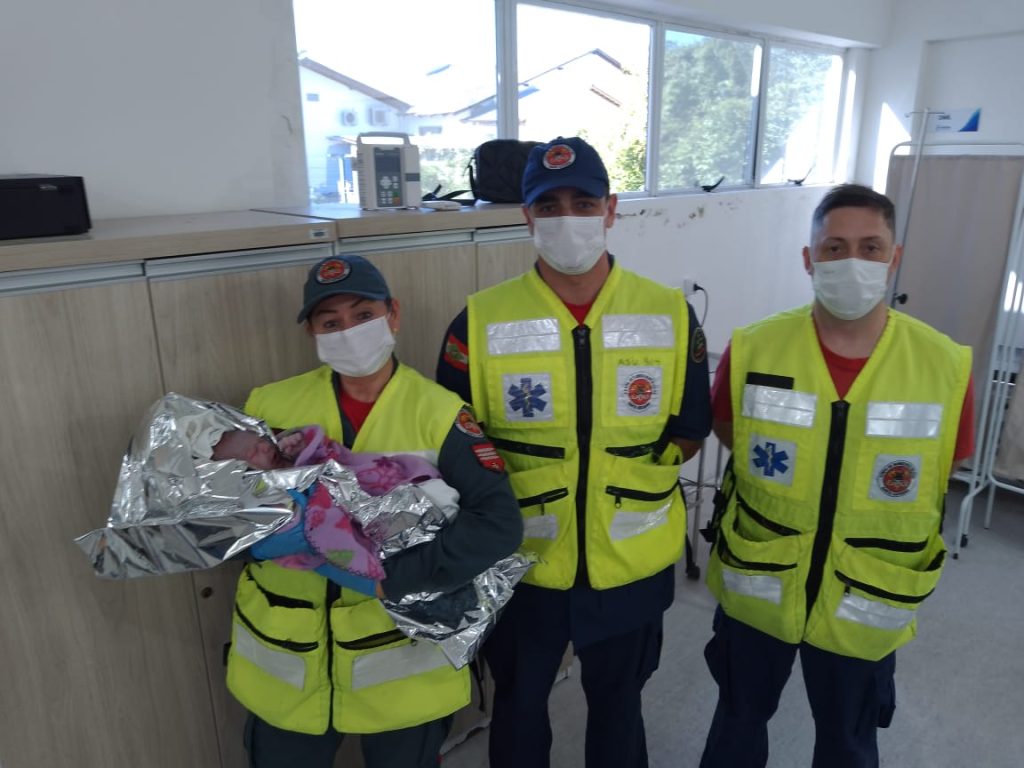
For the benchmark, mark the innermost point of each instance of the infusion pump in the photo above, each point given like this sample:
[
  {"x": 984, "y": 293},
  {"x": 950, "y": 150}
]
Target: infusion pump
[{"x": 389, "y": 171}]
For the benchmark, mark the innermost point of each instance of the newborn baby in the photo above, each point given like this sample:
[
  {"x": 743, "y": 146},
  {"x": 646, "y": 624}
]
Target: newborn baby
[{"x": 324, "y": 537}]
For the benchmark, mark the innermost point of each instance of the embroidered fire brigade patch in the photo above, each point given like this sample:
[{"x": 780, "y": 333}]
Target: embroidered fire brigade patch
[
  {"x": 559, "y": 156},
  {"x": 333, "y": 270},
  {"x": 698, "y": 345},
  {"x": 772, "y": 460},
  {"x": 488, "y": 457},
  {"x": 527, "y": 396},
  {"x": 895, "y": 478},
  {"x": 456, "y": 353},
  {"x": 466, "y": 424},
  {"x": 639, "y": 390}
]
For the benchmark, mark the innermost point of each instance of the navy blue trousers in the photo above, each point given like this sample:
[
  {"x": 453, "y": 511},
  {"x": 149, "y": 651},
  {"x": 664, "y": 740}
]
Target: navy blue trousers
[
  {"x": 523, "y": 654},
  {"x": 416, "y": 747},
  {"x": 850, "y": 698}
]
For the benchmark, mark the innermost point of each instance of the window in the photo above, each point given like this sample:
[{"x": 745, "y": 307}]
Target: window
[
  {"x": 801, "y": 115},
  {"x": 708, "y": 111},
  {"x": 671, "y": 107},
  {"x": 394, "y": 68},
  {"x": 586, "y": 75}
]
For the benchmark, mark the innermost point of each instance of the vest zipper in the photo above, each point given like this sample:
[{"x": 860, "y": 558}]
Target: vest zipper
[
  {"x": 631, "y": 493},
  {"x": 764, "y": 522},
  {"x": 333, "y": 593},
  {"x": 372, "y": 641},
  {"x": 584, "y": 416},
  {"x": 829, "y": 498},
  {"x": 891, "y": 545},
  {"x": 543, "y": 498},
  {"x": 876, "y": 592},
  {"x": 529, "y": 449},
  {"x": 288, "y": 645}
]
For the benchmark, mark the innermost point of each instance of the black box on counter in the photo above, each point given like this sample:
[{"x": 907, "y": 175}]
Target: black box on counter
[{"x": 37, "y": 205}]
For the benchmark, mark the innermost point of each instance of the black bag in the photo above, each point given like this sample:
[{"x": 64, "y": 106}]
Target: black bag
[{"x": 496, "y": 170}]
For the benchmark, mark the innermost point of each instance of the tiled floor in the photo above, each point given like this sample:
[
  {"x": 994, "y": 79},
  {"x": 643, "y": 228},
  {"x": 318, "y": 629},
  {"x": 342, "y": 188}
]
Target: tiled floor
[{"x": 960, "y": 684}]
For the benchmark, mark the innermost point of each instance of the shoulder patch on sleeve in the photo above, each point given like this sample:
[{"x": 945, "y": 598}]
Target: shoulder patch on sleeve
[
  {"x": 456, "y": 353},
  {"x": 467, "y": 424},
  {"x": 488, "y": 457},
  {"x": 698, "y": 345}
]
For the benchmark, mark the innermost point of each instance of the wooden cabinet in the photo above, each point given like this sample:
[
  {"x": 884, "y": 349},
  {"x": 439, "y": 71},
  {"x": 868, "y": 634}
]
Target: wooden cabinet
[
  {"x": 225, "y": 324},
  {"x": 93, "y": 672},
  {"x": 431, "y": 283},
  {"x": 503, "y": 253},
  {"x": 130, "y": 673}
]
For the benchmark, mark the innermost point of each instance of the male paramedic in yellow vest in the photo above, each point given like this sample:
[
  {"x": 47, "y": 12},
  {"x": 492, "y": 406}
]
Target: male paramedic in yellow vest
[
  {"x": 845, "y": 418},
  {"x": 309, "y": 659},
  {"x": 592, "y": 383}
]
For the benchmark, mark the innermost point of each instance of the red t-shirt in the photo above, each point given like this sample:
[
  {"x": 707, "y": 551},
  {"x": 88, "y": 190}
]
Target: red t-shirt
[
  {"x": 578, "y": 311},
  {"x": 355, "y": 411},
  {"x": 843, "y": 370}
]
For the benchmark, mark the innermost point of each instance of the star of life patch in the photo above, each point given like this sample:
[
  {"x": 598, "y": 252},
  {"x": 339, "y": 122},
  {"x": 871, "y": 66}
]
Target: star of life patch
[
  {"x": 638, "y": 390},
  {"x": 466, "y": 424},
  {"x": 771, "y": 459},
  {"x": 527, "y": 396},
  {"x": 488, "y": 457},
  {"x": 895, "y": 478}
]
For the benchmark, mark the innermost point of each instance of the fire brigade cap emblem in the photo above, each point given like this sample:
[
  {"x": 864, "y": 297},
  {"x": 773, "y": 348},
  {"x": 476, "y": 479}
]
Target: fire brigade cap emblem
[
  {"x": 896, "y": 478},
  {"x": 559, "y": 156},
  {"x": 332, "y": 270}
]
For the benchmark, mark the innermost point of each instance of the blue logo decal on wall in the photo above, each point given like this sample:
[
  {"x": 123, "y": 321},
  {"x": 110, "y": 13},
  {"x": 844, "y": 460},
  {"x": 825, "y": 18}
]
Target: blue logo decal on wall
[
  {"x": 769, "y": 460},
  {"x": 527, "y": 397}
]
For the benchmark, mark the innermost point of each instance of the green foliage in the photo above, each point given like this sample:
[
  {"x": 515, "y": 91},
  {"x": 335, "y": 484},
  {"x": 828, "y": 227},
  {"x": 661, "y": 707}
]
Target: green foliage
[
  {"x": 708, "y": 113},
  {"x": 444, "y": 166}
]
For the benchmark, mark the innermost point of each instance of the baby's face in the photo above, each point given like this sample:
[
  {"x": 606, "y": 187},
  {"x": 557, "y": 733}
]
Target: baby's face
[{"x": 258, "y": 452}]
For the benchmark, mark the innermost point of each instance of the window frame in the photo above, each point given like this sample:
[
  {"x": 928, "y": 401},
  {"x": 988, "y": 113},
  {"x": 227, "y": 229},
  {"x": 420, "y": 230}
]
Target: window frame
[{"x": 660, "y": 25}]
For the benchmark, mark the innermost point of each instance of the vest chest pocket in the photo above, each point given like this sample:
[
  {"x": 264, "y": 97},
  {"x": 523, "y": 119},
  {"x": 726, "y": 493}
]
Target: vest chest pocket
[
  {"x": 385, "y": 681},
  {"x": 277, "y": 656},
  {"x": 867, "y": 606},
  {"x": 288, "y": 622},
  {"x": 761, "y": 582}
]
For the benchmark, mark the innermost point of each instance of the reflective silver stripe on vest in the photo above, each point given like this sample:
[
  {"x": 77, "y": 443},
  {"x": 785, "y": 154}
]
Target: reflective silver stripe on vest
[
  {"x": 285, "y": 666},
  {"x": 753, "y": 585},
  {"x": 540, "y": 527},
  {"x": 396, "y": 663},
  {"x": 904, "y": 419},
  {"x": 626, "y": 525},
  {"x": 523, "y": 336},
  {"x": 619, "y": 331},
  {"x": 872, "y": 613},
  {"x": 780, "y": 405}
]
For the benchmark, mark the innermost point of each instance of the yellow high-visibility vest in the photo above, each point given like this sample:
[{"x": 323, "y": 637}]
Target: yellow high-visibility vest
[
  {"x": 304, "y": 656},
  {"x": 578, "y": 414},
  {"x": 832, "y": 534}
]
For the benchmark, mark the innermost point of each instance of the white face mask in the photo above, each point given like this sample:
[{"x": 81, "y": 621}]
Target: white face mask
[
  {"x": 570, "y": 244},
  {"x": 850, "y": 288},
  {"x": 358, "y": 351}
]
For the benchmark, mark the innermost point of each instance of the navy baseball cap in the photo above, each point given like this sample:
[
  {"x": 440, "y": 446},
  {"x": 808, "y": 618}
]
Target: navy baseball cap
[
  {"x": 342, "y": 274},
  {"x": 564, "y": 163}
]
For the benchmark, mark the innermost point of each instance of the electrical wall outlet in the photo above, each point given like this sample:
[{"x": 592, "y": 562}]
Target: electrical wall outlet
[{"x": 689, "y": 287}]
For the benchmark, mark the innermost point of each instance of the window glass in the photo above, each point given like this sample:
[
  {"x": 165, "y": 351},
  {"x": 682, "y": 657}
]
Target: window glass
[
  {"x": 586, "y": 75},
  {"x": 801, "y": 115},
  {"x": 708, "y": 111},
  {"x": 401, "y": 66}
]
